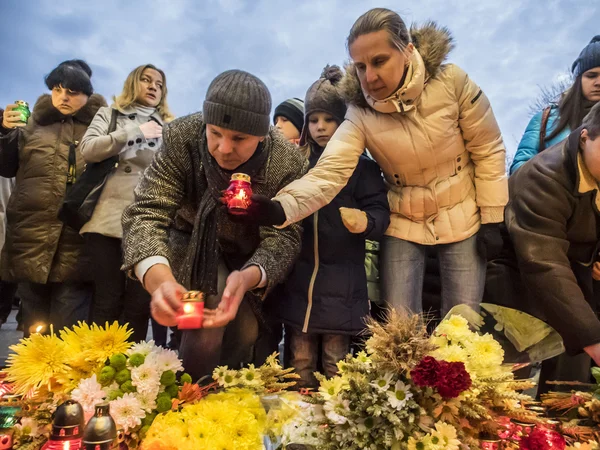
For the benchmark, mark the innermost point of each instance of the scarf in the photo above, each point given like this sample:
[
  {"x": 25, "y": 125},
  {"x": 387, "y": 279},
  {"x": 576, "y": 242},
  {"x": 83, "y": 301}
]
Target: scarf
[{"x": 202, "y": 259}]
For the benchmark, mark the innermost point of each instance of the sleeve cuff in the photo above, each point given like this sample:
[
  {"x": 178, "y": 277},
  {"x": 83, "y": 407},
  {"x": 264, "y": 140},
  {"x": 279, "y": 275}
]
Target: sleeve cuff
[
  {"x": 492, "y": 214},
  {"x": 289, "y": 204},
  {"x": 144, "y": 265}
]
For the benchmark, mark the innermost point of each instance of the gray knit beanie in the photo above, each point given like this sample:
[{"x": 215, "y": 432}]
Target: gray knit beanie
[
  {"x": 588, "y": 58},
  {"x": 324, "y": 96},
  {"x": 238, "y": 101}
]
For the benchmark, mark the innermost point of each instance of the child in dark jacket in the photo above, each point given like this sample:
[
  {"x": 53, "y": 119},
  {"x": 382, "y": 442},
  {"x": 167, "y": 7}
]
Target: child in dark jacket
[{"x": 325, "y": 298}]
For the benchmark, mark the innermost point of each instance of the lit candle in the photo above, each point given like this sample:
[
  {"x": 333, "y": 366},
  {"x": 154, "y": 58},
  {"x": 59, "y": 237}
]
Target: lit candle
[
  {"x": 67, "y": 427},
  {"x": 238, "y": 194},
  {"x": 192, "y": 312},
  {"x": 37, "y": 328}
]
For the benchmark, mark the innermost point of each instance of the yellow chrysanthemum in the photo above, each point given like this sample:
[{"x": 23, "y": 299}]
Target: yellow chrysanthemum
[
  {"x": 90, "y": 346},
  {"x": 451, "y": 353},
  {"x": 222, "y": 421},
  {"x": 455, "y": 328},
  {"x": 37, "y": 361}
]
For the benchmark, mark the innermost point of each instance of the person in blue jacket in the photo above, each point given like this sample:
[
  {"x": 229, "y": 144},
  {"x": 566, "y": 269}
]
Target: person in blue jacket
[
  {"x": 554, "y": 123},
  {"x": 325, "y": 298}
]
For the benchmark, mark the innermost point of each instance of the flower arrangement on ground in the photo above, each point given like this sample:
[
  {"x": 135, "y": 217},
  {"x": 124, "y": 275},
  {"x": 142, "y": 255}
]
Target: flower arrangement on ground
[
  {"x": 251, "y": 404},
  {"x": 93, "y": 364},
  {"x": 578, "y": 411},
  {"x": 409, "y": 390}
]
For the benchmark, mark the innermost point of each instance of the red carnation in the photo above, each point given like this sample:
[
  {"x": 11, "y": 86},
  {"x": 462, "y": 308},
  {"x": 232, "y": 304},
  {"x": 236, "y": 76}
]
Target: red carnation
[
  {"x": 543, "y": 439},
  {"x": 452, "y": 379},
  {"x": 426, "y": 372}
]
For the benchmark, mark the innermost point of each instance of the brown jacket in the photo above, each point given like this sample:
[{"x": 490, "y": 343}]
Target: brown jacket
[
  {"x": 436, "y": 140},
  {"x": 38, "y": 247}
]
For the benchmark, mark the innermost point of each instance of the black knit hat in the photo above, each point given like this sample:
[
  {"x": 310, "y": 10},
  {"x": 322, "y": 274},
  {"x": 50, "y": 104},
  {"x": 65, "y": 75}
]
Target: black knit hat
[
  {"x": 588, "y": 58},
  {"x": 324, "y": 96},
  {"x": 293, "y": 110},
  {"x": 238, "y": 101}
]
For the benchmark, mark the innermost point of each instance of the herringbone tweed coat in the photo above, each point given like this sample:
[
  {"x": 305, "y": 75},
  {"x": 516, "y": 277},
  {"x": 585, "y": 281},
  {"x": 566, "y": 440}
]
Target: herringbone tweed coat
[{"x": 160, "y": 221}]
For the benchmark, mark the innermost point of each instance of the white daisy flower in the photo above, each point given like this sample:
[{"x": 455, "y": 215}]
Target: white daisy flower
[
  {"x": 399, "y": 396},
  {"x": 383, "y": 382}
]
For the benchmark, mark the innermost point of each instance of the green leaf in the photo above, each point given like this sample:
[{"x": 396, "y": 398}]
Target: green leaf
[{"x": 596, "y": 374}]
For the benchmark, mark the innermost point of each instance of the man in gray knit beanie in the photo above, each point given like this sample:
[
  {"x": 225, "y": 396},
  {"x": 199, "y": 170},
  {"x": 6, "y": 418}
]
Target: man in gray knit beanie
[
  {"x": 238, "y": 101},
  {"x": 178, "y": 236}
]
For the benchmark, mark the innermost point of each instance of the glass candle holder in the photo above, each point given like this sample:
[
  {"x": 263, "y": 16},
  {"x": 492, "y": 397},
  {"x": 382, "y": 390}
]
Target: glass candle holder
[
  {"x": 67, "y": 427},
  {"x": 100, "y": 433},
  {"x": 238, "y": 194},
  {"x": 192, "y": 311}
]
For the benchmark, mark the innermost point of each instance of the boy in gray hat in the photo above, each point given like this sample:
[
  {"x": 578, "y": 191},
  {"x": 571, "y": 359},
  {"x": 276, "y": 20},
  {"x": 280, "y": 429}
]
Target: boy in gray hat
[{"x": 177, "y": 236}]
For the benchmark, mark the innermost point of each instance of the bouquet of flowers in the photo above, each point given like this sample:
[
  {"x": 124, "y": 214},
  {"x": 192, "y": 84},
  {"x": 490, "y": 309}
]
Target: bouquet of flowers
[
  {"x": 251, "y": 404},
  {"x": 578, "y": 411},
  {"x": 409, "y": 390},
  {"x": 93, "y": 364}
]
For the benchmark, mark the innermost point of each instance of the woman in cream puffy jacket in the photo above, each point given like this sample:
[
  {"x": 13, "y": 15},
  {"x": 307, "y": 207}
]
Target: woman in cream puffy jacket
[{"x": 433, "y": 133}]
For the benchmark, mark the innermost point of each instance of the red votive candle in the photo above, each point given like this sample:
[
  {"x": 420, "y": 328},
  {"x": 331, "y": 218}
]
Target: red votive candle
[
  {"x": 238, "y": 194},
  {"x": 192, "y": 311}
]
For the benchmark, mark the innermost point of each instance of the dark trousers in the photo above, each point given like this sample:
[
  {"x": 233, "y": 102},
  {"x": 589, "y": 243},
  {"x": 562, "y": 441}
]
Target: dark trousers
[
  {"x": 204, "y": 349},
  {"x": 116, "y": 296},
  {"x": 59, "y": 304},
  {"x": 7, "y": 299}
]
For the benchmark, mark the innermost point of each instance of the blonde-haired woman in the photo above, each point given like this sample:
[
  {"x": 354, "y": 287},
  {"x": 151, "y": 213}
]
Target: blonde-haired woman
[
  {"x": 432, "y": 131},
  {"x": 139, "y": 112}
]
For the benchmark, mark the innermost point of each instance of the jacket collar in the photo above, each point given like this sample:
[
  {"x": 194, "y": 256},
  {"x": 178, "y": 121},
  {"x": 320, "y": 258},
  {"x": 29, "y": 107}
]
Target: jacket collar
[
  {"x": 44, "y": 113},
  {"x": 404, "y": 98},
  {"x": 132, "y": 109},
  {"x": 585, "y": 182},
  {"x": 432, "y": 44}
]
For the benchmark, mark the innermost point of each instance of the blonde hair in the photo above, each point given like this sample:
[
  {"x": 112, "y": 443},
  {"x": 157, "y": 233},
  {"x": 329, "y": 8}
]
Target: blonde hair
[
  {"x": 305, "y": 150},
  {"x": 131, "y": 88},
  {"x": 381, "y": 19}
]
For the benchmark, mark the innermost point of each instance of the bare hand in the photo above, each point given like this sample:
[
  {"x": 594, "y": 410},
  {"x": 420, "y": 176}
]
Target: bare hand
[
  {"x": 166, "y": 303},
  {"x": 151, "y": 130},
  {"x": 594, "y": 352},
  {"x": 596, "y": 271},
  {"x": 12, "y": 119},
  {"x": 238, "y": 283}
]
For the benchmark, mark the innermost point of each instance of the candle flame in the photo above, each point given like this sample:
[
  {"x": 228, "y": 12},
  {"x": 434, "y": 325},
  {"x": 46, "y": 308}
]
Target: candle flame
[
  {"x": 188, "y": 308},
  {"x": 242, "y": 194},
  {"x": 66, "y": 445},
  {"x": 38, "y": 327}
]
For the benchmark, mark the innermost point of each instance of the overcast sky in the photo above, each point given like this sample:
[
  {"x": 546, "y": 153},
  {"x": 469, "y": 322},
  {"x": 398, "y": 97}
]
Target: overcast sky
[{"x": 508, "y": 47}]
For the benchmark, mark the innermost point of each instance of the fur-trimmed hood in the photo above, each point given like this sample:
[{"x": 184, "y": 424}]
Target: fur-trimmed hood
[
  {"x": 433, "y": 43},
  {"x": 44, "y": 113}
]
